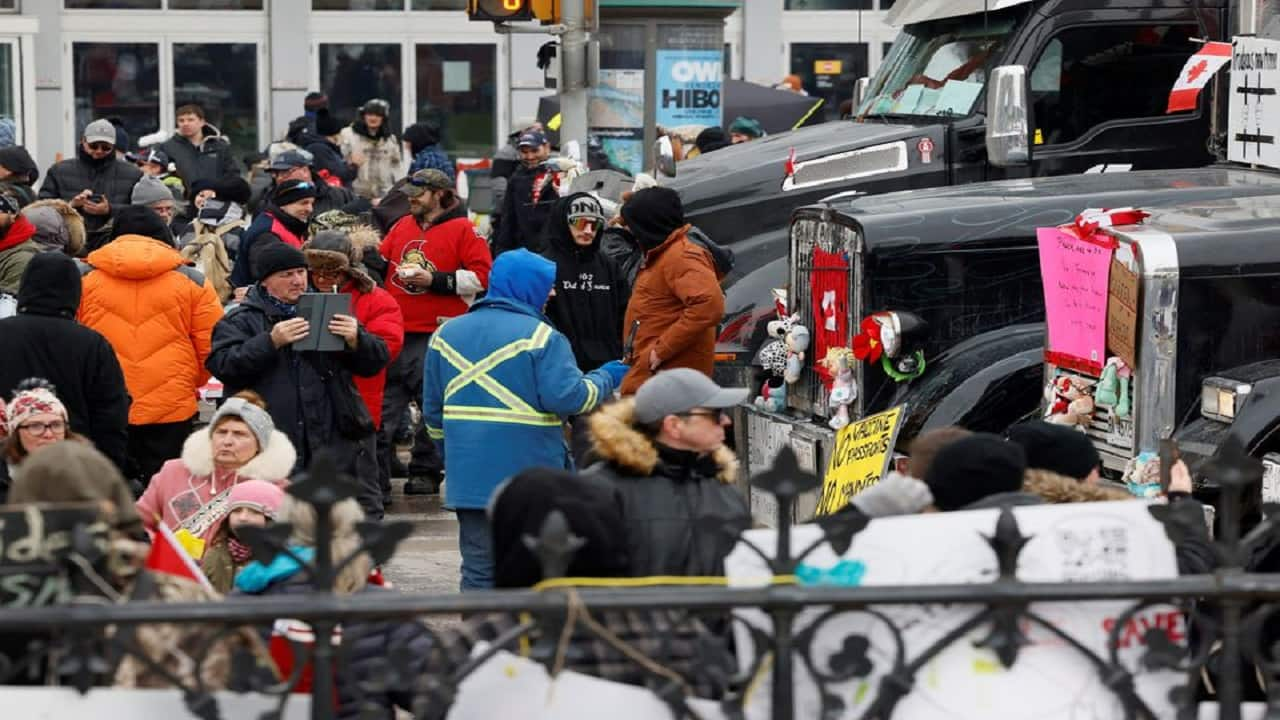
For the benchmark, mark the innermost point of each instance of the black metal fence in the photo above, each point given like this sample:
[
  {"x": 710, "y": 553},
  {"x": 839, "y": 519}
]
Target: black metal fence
[{"x": 83, "y": 641}]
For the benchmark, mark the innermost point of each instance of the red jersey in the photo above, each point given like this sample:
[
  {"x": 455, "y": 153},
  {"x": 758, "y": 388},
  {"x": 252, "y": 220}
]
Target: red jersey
[{"x": 448, "y": 245}]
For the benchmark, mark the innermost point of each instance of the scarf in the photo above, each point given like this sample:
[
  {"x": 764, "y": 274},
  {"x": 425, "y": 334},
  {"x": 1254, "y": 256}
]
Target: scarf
[
  {"x": 230, "y": 213},
  {"x": 240, "y": 553},
  {"x": 280, "y": 306}
]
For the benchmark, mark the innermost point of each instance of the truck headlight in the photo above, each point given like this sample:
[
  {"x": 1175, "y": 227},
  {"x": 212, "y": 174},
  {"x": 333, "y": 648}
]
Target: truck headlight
[{"x": 1220, "y": 398}]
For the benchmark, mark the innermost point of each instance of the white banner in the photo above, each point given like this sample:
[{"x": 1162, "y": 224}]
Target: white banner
[
  {"x": 1253, "y": 126},
  {"x": 61, "y": 703},
  {"x": 1049, "y": 681}
]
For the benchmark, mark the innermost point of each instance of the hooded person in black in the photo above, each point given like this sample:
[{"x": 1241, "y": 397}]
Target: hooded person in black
[
  {"x": 44, "y": 340},
  {"x": 18, "y": 173},
  {"x": 590, "y": 291}
]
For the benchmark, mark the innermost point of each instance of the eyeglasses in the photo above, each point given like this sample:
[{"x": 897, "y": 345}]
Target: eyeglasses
[
  {"x": 327, "y": 274},
  {"x": 101, "y": 147},
  {"x": 713, "y": 414},
  {"x": 584, "y": 224},
  {"x": 39, "y": 428}
]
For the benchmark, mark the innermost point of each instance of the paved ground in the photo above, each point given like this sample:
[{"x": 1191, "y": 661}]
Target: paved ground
[{"x": 428, "y": 561}]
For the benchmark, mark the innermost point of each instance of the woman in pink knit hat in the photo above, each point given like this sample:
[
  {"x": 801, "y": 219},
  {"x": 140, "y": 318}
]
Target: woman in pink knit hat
[{"x": 252, "y": 503}]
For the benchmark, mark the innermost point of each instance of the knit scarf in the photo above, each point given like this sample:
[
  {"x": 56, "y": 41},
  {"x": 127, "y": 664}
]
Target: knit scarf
[
  {"x": 240, "y": 553},
  {"x": 282, "y": 307}
]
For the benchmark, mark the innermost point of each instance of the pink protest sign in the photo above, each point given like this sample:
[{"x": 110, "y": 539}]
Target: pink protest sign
[{"x": 1075, "y": 273}]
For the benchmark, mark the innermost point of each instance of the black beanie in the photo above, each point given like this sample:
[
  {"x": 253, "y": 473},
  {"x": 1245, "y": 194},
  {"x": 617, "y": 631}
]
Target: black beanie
[
  {"x": 1056, "y": 448},
  {"x": 652, "y": 215},
  {"x": 711, "y": 139},
  {"x": 972, "y": 468},
  {"x": 327, "y": 124},
  {"x": 275, "y": 256},
  {"x": 592, "y": 510},
  {"x": 231, "y": 188},
  {"x": 140, "y": 220},
  {"x": 420, "y": 135},
  {"x": 291, "y": 191}
]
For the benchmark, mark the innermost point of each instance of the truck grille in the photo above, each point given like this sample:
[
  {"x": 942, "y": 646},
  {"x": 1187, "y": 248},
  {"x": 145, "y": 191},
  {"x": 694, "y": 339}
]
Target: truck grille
[
  {"x": 808, "y": 394},
  {"x": 1115, "y": 447}
]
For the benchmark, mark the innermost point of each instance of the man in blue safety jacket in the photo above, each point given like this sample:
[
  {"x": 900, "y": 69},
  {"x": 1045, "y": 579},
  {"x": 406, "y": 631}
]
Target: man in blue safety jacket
[{"x": 497, "y": 385}]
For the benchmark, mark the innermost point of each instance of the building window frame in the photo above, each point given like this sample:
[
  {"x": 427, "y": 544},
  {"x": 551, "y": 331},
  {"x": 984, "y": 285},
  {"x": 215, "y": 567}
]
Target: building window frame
[{"x": 164, "y": 8}]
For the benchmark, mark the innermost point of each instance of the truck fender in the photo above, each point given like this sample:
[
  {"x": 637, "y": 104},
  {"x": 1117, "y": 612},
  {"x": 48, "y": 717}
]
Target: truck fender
[
  {"x": 1258, "y": 417},
  {"x": 985, "y": 383}
]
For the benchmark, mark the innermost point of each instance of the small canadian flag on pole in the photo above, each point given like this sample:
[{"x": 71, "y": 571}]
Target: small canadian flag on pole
[
  {"x": 1195, "y": 75},
  {"x": 167, "y": 556}
]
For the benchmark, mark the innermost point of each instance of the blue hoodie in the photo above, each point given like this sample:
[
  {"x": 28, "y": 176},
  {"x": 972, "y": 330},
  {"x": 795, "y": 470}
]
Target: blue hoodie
[{"x": 491, "y": 425}]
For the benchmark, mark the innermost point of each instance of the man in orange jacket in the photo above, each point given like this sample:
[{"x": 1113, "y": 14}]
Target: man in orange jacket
[{"x": 158, "y": 314}]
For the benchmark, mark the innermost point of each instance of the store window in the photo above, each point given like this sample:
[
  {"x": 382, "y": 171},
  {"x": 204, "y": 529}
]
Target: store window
[
  {"x": 10, "y": 119},
  {"x": 117, "y": 80},
  {"x": 829, "y": 71},
  {"x": 112, "y": 4},
  {"x": 1083, "y": 75},
  {"x": 215, "y": 4},
  {"x": 357, "y": 4},
  {"x": 828, "y": 5},
  {"x": 8, "y": 5},
  {"x": 353, "y": 73},
  {"x": 438, "y": 5},
  {"x": 457, "y": 90},
  {"x": 222, "y": 78}
]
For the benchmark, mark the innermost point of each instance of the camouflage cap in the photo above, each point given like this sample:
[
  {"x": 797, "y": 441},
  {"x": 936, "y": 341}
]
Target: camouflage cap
[{"x": 424, "y": 180}]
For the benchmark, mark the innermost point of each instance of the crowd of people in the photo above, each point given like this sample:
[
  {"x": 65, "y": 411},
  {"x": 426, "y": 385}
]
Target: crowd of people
[{"x": 562, "y": 364}]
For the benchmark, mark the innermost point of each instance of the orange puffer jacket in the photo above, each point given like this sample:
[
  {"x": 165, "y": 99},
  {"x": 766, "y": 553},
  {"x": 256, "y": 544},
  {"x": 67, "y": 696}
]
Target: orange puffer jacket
[{"x": 158, "y": 314}]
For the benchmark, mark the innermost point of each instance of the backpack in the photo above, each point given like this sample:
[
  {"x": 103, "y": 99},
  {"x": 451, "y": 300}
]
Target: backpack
[{"x": 208, "y": 253}]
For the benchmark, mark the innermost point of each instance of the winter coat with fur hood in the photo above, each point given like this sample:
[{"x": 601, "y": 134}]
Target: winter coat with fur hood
[
  {"x": 188, "y": 493},
  {"x": 383, "y": 158},
  {"x": 665, "y": 494},
  {"x": 16, "y": 250},
  {"x": 59, "y": 228}
]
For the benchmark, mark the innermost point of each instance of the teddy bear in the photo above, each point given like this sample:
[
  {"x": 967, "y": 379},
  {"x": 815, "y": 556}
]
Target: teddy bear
[{"x": 1072, "y": 402}]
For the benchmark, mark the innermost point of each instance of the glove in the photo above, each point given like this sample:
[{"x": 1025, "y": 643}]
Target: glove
[
  {"x": 895, "y": 494},
  {"x": 616, "y": 369}
]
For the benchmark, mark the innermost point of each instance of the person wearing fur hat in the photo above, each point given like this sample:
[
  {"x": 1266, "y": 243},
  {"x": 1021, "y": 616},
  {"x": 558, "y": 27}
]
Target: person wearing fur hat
[
  {"x": 365, "y": 239},
  {"x": 664, "y": 451},
  {"x": 192, "y": 492},
  {"x": 252, "y": 503},
  {"x": 158, "y": 313},
  {"x": 284, "y": 219},
  {"x": 334, "y": 267},
  {"x": 59, "y": 228},
  {"x": 44, "y": 340},
  {"x": 311, "y": 395},
  {"x": 370, "y": 145},
  {"x": 34, "y": 419},
  {"x": 16, "y": 247}
]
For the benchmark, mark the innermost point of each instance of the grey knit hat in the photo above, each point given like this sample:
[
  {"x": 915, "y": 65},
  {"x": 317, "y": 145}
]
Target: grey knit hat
[
  {"x": 258, "y": 420},
  {"x": 149, "y": 190}
]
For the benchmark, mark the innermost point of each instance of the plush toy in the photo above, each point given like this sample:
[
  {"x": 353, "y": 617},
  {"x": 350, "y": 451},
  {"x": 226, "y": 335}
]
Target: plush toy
[
  {"x": 839, "y": 362},
  {"x": 797, "y": 342},
  {"x": 1072, "y": 402},
  {"x": 773, "y": 395},
  {"x": 1113, "y": 388}
]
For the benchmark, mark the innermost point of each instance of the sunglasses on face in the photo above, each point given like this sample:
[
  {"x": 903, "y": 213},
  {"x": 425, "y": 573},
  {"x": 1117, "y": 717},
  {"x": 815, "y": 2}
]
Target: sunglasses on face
[
  {"x": 583, "y": 224},
  {"x": 713, "y": 414},
  {"x": 101, "y": 147}
]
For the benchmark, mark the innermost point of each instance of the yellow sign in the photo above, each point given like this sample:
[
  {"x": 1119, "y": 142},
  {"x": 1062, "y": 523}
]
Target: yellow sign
[
  {"x": 859, "y": 459},
  {"x": 828, "y": 67}
]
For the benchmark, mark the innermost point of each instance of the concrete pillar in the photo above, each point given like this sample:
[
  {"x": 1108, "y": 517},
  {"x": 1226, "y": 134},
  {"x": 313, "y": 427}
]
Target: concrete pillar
[
  {"x": 289, "y": 48},
  {"x": 51, "y": 111},
  {"x": 762, "y": 42}
]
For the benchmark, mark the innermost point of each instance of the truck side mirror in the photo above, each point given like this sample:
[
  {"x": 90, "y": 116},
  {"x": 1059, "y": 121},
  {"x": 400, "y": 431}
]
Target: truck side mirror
[
  {"x": 1007, "y": 125},
  {"x": 665, "y": 156},
  {"x": 860, "y": 92}
]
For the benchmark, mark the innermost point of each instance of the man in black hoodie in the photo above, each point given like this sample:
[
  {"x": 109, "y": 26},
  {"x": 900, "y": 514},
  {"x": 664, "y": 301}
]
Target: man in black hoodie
[
  {"x": 44, "y": 340},
  {"x": 18, "y": 173}
]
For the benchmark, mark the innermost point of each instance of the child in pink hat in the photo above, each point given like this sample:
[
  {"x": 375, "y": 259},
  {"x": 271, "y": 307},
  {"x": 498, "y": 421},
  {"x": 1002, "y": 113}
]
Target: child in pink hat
[{"x": 251, "y": 503}]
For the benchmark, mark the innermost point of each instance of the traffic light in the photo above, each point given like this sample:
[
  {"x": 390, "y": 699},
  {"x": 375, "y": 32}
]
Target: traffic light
[{"x": 501, "y": 10}]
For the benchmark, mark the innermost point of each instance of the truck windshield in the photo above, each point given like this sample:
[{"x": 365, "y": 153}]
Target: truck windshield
[{"x": 938, "y": 68}]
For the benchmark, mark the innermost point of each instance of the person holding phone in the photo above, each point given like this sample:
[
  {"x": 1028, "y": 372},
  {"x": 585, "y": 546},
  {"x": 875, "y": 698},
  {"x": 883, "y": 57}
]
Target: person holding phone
[
  {"x": 95, "y": 181},
  {"x": 310, "y": 395},
  {"x": 436, "y": 263}
]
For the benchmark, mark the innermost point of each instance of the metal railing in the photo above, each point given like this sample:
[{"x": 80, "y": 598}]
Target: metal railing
[{"x": 1228, "y": 612}]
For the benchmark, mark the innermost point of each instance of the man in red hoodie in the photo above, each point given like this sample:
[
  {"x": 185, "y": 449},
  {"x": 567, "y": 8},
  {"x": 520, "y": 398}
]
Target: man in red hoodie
[
  {"x": 16, "y": 246},
  {"x": 436, "y": 264}
]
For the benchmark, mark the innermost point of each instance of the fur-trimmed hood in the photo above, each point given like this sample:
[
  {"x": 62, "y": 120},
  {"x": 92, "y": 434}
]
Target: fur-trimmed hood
[
  {"x": 273, "y": 463},
  {"x": 1056, "y": 489},
  {"x": 67, "y": 235},
  {"x": 617, "y": 441}
]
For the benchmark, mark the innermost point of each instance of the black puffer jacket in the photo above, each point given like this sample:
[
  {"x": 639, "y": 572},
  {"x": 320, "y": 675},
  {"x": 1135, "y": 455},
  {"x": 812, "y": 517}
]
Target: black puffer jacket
[
  {"x": 665, "y": 494},
  {"x": 294, "y": 383},
  {"x": 210, "y": 160},
  {"x": 591, "y": 293},
  {"x": 114, "y": 179},
  {"x": 523, "y": 214},
  {"x": 44, "y": 340}
]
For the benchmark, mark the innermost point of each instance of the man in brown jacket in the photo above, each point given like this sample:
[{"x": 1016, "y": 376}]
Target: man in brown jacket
[{"x": 677, "y": 301}]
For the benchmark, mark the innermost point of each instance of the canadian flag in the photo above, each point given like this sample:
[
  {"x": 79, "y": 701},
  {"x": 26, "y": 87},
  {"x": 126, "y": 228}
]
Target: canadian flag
[
  {"x": 1195, "y": 75},
  {"x": 167, "y": 556}
]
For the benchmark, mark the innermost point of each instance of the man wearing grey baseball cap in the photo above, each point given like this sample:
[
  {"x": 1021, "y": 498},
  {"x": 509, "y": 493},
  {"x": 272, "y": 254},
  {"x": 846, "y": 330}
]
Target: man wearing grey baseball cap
[
  {"x": 663, "y": 449},
  {"x": 95, "y": 181}
]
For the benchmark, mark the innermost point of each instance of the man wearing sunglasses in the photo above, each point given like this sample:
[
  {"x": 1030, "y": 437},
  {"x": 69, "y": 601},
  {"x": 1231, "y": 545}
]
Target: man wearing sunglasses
[
  {"x": 663, "y": 449},
  {"x": 95, "y": 182}
]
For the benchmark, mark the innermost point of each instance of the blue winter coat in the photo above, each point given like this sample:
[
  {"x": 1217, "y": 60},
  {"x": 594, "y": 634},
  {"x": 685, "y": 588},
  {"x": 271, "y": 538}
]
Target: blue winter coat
[{"x": 498, "y": 382}]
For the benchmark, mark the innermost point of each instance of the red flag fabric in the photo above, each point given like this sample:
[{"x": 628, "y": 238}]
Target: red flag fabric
[
  {"x": 168, "y": 557},
  {"x": 1196, "y": 74},
  {"x": 829, "y": 293}
]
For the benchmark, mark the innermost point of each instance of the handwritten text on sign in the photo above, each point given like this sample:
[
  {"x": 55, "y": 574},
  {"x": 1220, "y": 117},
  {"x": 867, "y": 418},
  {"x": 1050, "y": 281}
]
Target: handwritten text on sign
[
  {"x": 859, "y": 458},
  {"x": 1122, "y": 313},
  {"x": 1075, "y": 274}
]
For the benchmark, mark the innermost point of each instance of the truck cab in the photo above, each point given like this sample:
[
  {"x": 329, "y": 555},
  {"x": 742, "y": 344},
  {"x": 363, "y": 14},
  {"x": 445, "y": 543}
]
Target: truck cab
[{"x": 1074, "y": 67}]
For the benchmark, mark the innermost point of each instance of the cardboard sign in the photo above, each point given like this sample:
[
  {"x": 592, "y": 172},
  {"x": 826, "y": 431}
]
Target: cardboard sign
[
  {"x": 1075, "y": 274},
  {"x": 1253, "y": 105},
  {"x": 1050, "y": 680},
  {"x": 34, "y": 543},
  {"x": 1122, "y": 313},
  {"x": 859, "y": 458}
]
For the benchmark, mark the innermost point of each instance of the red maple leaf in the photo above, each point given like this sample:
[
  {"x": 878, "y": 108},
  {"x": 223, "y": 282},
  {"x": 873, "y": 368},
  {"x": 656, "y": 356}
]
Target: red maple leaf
[{"x": 1197, "y": 70}]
